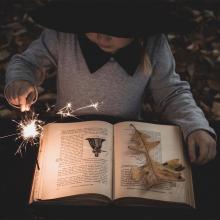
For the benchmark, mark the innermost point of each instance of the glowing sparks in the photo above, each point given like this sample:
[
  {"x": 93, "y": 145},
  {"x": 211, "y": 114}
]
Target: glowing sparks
[
  {"x": 49, "y": 108},
  {"x": 93, "y": 105},
  {"x": 29, "y": 130},
  {"x": 6, "y": 136},
  {"x": 68, "y": 111}
]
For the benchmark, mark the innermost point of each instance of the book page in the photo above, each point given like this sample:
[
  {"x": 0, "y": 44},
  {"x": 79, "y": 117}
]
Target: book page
[
  {"x": 76, "y": 159},
  {"x": 169, "y": 147}
]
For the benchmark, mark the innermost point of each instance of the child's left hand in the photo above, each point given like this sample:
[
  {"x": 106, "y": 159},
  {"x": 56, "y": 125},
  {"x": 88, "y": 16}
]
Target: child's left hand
[{"x": 201, "y": 147}]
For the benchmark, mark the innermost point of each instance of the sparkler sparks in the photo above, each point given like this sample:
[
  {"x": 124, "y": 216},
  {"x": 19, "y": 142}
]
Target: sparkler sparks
[
  {"x": 68, "y": 111},
  {"x": 29, "y": 130},
  {"x": 49, "y": 108}
]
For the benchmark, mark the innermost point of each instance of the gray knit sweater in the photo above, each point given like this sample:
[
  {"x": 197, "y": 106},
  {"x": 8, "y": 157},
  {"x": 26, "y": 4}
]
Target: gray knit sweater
[{"x": 121, "y": 94}]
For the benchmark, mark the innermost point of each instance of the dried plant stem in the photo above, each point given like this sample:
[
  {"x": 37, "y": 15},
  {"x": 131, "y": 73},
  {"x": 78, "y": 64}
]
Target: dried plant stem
[{"x": 146, "y": 152}]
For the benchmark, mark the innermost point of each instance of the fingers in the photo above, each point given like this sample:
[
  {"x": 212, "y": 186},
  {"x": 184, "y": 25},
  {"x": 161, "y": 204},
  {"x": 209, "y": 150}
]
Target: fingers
[
  {"x": 203, "y": 154},
  {"x": 199, "y": 154},
  {"x": 192, "y": 150},
  {"x": 26, "y": 97},
  {"x": 207, "y": 151},
  {"x": 20, "y": 93},
  {"x": 11, "y": 94},
  {"x": 201, "y": 147},
  {"x": 212, "y": 151},
  {"x": 14, "y": 93},
  {"x": 31, "y": 97}
]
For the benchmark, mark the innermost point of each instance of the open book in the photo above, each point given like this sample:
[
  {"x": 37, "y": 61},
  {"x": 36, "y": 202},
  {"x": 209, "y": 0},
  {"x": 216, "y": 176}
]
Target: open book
[{"x": 128, "y": 163}]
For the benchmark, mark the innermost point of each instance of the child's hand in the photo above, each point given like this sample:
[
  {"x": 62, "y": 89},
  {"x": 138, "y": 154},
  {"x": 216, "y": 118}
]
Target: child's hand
[
  {"x": 201, "y": 146},
  {"x": 21, "y": 94}
]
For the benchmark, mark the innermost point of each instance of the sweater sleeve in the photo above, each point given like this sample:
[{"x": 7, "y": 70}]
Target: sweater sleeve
[
  {"x": 172, "y": 96},
  {"x": 35, "y": 62}
]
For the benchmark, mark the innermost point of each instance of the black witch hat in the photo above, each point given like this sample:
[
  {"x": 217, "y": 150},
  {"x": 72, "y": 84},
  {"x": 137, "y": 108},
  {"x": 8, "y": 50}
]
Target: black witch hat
[{"x": 122, "y": 18}]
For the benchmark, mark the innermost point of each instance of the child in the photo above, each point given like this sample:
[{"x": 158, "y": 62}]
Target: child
[{"x": 110, "y": 63}]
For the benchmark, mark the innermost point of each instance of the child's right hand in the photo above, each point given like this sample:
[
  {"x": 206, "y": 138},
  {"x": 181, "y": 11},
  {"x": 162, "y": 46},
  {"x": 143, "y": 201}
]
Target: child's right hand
[{"x": 21, "y": 94}]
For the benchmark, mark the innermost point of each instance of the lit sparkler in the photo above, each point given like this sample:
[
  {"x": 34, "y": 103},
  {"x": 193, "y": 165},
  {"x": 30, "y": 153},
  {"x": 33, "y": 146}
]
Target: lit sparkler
[
  {"x": 29, "y": 131},
  {"x": 30, "y": 127}
]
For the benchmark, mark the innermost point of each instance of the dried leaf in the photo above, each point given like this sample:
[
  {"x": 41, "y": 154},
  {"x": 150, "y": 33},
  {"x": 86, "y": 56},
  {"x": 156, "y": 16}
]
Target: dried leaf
[
  {"x": 174, "y": 165},
  {"x": 209, "y": 14},
  {"x": 217, "y": 97},
  {"x": 209, "y": 61},
  {"x": 4, "y": 54},
  {"x": 141, "y": 143},
  {"x": 150, "y": 179},
  {"x": 216, "y": 45},
  {"x": 191, "y": 69},
  {"x": 165, "y": 174},
  {"x": 153, "y": 173},
  {"x": 216, "y": 109},
  {"x": 214, "y": 84},
  {"x": 216, "y": 53},
  {"x": 20, "y": 32},
  {"x": 204, "y": 107},
  {"x": 137, "y": 173},
  {"x": 196, "y": 13},
  {"x": 199, "y": 19},
  {"x": 137, "y": 148}
]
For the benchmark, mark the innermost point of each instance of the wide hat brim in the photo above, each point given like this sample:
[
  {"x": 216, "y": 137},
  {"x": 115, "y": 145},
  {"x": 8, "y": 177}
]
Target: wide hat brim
[{"x": 112, "y": 18}]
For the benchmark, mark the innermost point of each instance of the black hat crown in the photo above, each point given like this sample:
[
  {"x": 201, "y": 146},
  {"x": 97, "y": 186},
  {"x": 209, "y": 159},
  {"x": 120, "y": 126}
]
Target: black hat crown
[{"x": 120, "y": 18}]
